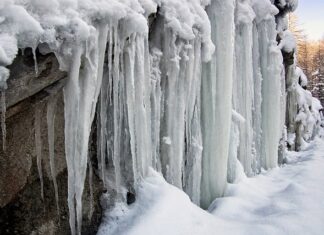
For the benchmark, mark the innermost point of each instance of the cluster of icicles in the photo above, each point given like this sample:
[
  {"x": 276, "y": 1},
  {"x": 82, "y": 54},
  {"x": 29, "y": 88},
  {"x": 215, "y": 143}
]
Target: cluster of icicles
[
  {"x": 158, "y": 100},
  {"x": 161, "y": 106}
]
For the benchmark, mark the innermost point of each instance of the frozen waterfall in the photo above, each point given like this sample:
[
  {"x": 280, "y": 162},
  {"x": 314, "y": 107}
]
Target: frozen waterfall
[{"x": 185, "y": 87}]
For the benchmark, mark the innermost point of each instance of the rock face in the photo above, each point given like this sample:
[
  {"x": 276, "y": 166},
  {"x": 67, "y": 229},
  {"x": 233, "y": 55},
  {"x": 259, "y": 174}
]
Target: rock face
[{"x": 22, "y": 210}]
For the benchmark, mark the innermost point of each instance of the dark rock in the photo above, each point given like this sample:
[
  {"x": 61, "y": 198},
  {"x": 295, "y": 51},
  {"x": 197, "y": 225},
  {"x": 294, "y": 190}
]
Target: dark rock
[
  {"x": 22, "y": 210},
  {"x": 130, "y": 197}
]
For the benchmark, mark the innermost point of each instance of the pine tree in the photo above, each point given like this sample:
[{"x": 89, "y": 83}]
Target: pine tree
[{"x": 318, "y": 70}]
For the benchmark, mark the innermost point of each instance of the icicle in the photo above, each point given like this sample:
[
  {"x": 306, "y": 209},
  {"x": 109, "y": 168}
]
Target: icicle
[
  {"x": 136, "y": 66},
  {"x": 71, "y": 114},
  {"x": 257, "y": 101},
  {"x": 232, "y": 157},
  {"x": 102, "y": 119},
  {"x": 50, "y": 116},
  {"x": 156, "y": 95},
  {"x": 130, "y": 86},
  {"x": 173, "y": 126},
  {"x": 3, "y": 119},
  {"x": 271, "y": 61},
  {"x": 35, "y": 60},
  {"x": 193, "y": 137},
  {"x": 38, "y": 144},
  {"x": 244, "y": 93},
  {"x": 80, "y": 98},
  {"x": 117, "y": 115},
  {"x": 216, "y": 102}
]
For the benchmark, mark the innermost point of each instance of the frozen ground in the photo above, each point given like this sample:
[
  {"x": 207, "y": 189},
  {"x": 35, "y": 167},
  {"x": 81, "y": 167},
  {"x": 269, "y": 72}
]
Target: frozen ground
[{"x": 285, "y": 200}]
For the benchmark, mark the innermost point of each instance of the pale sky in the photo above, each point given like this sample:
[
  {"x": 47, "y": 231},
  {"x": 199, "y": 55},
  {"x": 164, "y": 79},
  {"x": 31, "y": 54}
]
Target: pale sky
[{"x": 311, "y": 17}]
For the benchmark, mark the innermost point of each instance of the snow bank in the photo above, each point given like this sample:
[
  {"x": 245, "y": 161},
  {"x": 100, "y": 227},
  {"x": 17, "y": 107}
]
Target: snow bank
[
  {"x": 271, "y": 203},
  {"x": 161, "y": 208}
]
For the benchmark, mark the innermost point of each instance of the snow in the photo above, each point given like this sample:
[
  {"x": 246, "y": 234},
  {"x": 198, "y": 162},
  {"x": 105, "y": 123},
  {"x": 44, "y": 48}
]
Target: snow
[
  {"x": 302, "y": 77},
  {"x": 244, "y": 12},
  {"x": 285, "y": 200},
  {"x": 8, "y": 50},
  {"x": 263, "y": 9},
  {"x": 288, "y": 42}
]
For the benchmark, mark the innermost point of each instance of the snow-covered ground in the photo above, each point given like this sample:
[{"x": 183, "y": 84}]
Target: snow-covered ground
[{"x": 285, "y": 200}]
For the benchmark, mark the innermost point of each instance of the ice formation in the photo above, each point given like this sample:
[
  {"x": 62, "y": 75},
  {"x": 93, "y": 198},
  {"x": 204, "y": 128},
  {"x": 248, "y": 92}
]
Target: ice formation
[
  {"x": 217, "y": 102},
  {"x": 185, "y": 87},
  {"x": 50, "y": 118},
  {"x": 243, "y": 88}
]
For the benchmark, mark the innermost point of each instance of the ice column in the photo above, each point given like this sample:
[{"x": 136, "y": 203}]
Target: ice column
[
  {"x": 193, "y": 136},
  {"x": 257, "y": 101},
  {"x": 156, "y": 95},
  {"x": 244, "y": 94},
  {"x": 176, "y": 105},
  {"x": 50, "y": 116},
  {"x": 80, "y": 97},
  {"x": 137, "y": 82},
  {"x": 217, "y": 102},
  {"x": 173, "y": 125},
  {"x": 271, "y": 67}
]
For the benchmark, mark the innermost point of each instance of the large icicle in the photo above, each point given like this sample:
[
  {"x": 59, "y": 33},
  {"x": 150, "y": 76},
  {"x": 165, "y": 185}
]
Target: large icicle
[
  {"x": 271, "y": 67},
  {"x": 172, "y": 147},
  {"x": 244, "y": 93},
  {"x": 216, "y": 102},
  {"x": 80, "y": 97},
  {"x": 102, "y": 144},
  {"x": 257, "y": 81},
  {"x": 124, "y": 122},
  {"x": 137, "y": 80},
  {"x": 50, "y": 116},
  {"x": 156, "y": 96},
  {"x": 193, "y": 137},
  {"x": 180, "y": 137}
]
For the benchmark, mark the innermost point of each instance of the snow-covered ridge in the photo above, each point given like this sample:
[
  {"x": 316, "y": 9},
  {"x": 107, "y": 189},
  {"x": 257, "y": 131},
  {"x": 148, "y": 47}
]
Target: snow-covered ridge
[{"x": 58, "y": 23}]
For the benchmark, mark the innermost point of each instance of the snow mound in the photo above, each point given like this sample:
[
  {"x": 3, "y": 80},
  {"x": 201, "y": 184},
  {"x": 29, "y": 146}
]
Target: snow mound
[
  {"x": 272, "y": 203},
  {"x": 160, "y": 209}
]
